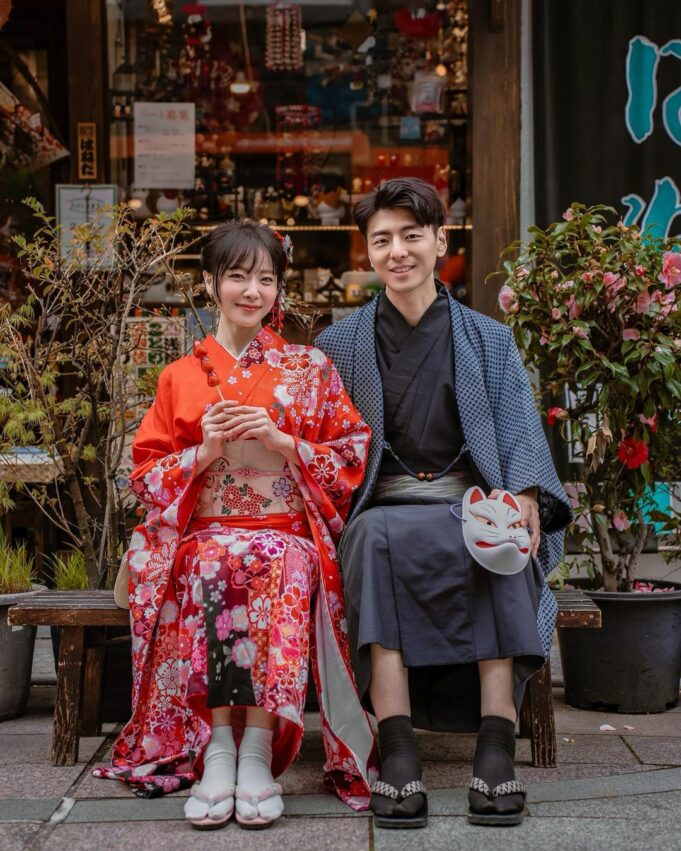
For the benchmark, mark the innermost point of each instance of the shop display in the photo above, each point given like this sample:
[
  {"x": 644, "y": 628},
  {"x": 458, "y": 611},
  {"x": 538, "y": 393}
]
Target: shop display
[
  {"x": 298, "y": 112},
  {"x": 283, "y": 38}
]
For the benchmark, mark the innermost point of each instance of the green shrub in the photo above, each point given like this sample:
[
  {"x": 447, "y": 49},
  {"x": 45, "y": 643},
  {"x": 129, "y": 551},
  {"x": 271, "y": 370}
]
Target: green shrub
[
  {"x": 16, "y": 569},
  {"x": 70, "y": 571}
]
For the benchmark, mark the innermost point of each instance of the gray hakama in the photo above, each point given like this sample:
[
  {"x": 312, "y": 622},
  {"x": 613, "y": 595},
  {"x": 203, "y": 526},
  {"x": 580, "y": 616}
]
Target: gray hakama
[{"x": 410, "y": 583}]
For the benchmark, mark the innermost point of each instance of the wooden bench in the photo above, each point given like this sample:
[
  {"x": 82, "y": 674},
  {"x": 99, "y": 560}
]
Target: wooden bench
[
  {"x": 81, "y": 615},
  {"x": 575, "y": 611}
]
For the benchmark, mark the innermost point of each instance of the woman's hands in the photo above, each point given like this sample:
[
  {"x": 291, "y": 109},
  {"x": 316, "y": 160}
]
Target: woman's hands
[
  {"x": 229, "y": 420},
  {"x": 249, "y": 423}
]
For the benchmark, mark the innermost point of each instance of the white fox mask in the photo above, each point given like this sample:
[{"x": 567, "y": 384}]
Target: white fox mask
[{"x": 492, "y": 531}]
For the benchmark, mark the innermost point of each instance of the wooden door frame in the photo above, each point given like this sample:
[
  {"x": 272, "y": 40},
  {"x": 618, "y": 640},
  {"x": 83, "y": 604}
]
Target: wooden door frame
[{"x": 494, "y": 92}]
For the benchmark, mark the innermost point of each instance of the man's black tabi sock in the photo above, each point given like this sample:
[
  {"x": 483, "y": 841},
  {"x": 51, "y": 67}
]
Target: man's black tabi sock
[
  {"x": 494, "y": 755},
  {"x": 400, "y": 764}
]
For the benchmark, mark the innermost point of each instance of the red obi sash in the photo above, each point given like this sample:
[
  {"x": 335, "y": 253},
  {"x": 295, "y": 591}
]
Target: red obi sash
[{"x": 294, "y": 523}]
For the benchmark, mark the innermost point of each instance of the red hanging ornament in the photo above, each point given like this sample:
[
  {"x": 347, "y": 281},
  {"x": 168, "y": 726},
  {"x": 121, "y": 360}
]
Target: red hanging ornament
[{"x": 283, "y": 45}]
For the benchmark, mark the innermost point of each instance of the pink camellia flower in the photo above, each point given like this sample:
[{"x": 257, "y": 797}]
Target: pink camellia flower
[
  {"x": 614, "y": 282},
  {"x": 649, "y": 421},
  {"x": 620, "y": 521},
  {"x": 667, "y": 302},
  {"x": 506, "y": 298},
  {"x": 631, "y": 334},
  {"x": 671, "y": 269},
  {"x": 642, "y": 302},
  {"x": 577, "y": 331},
  {"x": 544, "y": 340},
  {"x": 569, "y": 215},
  {"x": 554, "y": 414},
  {"x": 574, "y": 308},
  {"x": 640, "y": 270},
  {"x": 555, "y": 314},
  {"x": 587, "y": 277}
]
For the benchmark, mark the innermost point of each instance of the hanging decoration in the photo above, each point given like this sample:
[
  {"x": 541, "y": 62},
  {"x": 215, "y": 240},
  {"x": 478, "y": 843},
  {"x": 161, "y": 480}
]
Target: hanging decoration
[
  {"x": 298, "y": 162},
  {"x": 196, "y": 31},
  {"x": 283, "y": 39},
  {"x": 417, "y": 23}
]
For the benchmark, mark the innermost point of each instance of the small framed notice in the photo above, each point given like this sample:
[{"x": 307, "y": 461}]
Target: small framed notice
[
  {"x": 78, "y": 204},
  {"x": 165, "y": 144},
  {"x": 87, "y": 150}
]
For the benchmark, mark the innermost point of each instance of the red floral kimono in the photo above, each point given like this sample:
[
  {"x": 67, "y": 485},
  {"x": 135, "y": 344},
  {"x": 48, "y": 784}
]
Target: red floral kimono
[{"x": 234, "y": 579}]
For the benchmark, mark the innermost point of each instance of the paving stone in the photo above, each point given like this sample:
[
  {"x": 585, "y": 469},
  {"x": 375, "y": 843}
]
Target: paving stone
[
  {"x": 27, "y": 809},
  {"x": 570, "y": 721},
  {"x": 576, "y": 771},
  {"x": 41, "y": 697},
  {"x": 37, "y": 781},
  {"x": 604, "y": 748},
  {"x": 559, "y": 834},
  {"x": 97, "y": 787},
  {"x": 631, "y": 783},
  {"x": 320, "y": 805},
  {"x": 16, "y": 837},
  {"x": 22, "y": 749},
  {"x": 653, "y": 805},
  {"x": 656, "y": 751},
  {"x": 301, "y": 834},
  {"x": 127, "y": 809}
]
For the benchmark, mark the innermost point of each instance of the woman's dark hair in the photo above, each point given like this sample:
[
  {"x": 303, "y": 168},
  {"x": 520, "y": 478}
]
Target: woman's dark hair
[
  {"x": 240, "y": 244},
  {"x": 411, "y": 193}
]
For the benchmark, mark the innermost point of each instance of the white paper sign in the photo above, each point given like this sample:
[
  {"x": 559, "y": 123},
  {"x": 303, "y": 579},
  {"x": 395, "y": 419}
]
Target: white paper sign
[
  {"x": 79, "y": 203},
  {"x": 165, "y": 144}
]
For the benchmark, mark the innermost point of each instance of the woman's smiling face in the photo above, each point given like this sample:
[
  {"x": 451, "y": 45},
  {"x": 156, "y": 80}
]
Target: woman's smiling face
[{"x": 245, "y": 296}]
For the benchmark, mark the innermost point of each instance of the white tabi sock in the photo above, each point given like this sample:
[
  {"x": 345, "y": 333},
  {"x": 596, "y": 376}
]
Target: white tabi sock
[
  {"x": 219, "y": 774},
  {"x": 254, "y": 774}
]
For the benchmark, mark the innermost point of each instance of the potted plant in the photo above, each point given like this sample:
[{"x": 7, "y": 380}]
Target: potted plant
[
  {"x": 594, "y": 306},
  {"x": 16, "y": 643}
]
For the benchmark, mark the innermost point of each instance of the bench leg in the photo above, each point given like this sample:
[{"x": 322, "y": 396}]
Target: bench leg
[
  {"x": 525, "y": 719},
  {"x": 541, "y": 721},
  {"x": 69, "y": 686},
  {"x": 90, "y": 724}
]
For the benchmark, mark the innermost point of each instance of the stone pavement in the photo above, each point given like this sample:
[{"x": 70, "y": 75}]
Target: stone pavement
[{"x": 617, "y": 790}]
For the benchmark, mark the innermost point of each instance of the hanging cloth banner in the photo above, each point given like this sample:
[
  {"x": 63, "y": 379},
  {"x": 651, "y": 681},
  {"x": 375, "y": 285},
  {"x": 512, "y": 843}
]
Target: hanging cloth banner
[{"x": 607, "y": 86}]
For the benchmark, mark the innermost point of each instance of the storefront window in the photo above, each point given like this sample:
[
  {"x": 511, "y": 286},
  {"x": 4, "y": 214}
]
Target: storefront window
[{"x": 289, "y": 113}]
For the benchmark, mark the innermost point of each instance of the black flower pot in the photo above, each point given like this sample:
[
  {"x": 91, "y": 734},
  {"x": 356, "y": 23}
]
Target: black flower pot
[{"x": 633, "y": 663}]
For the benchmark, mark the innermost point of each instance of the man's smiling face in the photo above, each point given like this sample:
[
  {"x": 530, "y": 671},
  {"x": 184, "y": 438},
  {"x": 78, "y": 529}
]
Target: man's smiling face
[{"x": 402, "y": 252}]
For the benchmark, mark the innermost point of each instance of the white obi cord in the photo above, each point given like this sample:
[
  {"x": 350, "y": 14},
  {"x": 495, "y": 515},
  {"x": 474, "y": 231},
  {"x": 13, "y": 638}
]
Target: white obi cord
[{"x": 492, "y": 531}]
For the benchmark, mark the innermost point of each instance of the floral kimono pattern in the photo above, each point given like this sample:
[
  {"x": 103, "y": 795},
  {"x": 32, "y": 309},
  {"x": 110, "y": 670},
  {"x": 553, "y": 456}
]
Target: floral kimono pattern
[{"x": 234, "y": 579}]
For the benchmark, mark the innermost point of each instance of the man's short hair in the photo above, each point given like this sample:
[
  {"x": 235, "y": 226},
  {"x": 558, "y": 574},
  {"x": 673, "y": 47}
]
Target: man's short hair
[{"x": 410, "y": 193}]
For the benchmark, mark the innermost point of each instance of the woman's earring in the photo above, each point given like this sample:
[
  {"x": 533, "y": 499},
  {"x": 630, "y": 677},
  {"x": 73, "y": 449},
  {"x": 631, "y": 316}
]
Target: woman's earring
[{"x": 277, "y": 314}]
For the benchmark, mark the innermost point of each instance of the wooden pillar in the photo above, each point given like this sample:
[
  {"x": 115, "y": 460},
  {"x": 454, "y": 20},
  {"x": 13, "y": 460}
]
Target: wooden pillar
[
  {"x": 87, "y": 85},
  {"x": 494, "y": 69}
]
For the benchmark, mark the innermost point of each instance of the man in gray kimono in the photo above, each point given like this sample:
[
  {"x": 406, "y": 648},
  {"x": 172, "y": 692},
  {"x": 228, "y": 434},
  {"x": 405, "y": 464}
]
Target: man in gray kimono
[{"x": 437, "y": 641}]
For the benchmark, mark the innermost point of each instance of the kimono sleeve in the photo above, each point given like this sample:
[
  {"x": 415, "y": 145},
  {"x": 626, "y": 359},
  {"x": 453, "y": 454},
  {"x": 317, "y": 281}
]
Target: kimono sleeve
[
  {"x": 162, "y": 470},
  {"x": 332, "y": 448},
  {"x": 523, "y": 445}
]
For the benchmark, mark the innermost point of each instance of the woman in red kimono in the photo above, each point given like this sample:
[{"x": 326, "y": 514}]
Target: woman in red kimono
[{"x": 246, "y": 463}]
